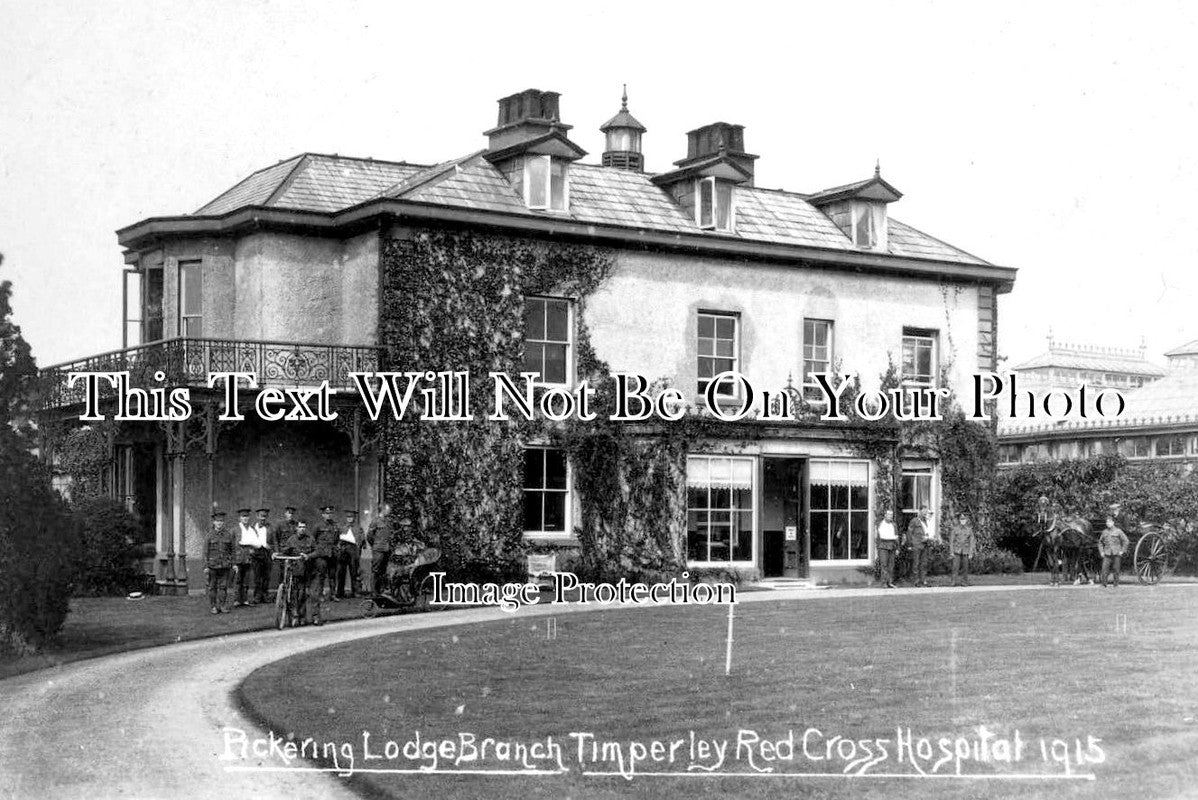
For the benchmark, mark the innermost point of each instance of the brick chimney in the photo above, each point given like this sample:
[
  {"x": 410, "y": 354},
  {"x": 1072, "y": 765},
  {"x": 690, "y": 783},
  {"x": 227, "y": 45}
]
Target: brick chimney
[
  {"x": 526, "y": 118},
  {"x": 718, "y": 138}
]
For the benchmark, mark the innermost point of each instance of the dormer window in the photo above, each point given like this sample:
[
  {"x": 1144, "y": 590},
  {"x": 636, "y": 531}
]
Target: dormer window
[
  {"x": 545, "y": 183},
  {"x": 863, "y": 226},
  {"x": 869, "y": 225},
  {"x": 713, "y": 204}
]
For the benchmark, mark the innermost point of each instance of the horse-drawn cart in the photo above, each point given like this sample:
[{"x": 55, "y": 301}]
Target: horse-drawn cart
[{"x": 1071, "y": 545}]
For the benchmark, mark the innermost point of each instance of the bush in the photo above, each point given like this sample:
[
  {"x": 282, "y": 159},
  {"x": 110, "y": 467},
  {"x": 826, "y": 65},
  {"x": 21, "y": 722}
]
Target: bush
[
  {"x": 37, "y": 539},
  {"x": 987, "y": 561},
  {"x": 1143, "y": 492},
  {"x": 107, "y": 559}
]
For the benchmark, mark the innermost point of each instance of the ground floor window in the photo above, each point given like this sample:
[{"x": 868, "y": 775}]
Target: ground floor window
[
  {"x": 719, "y": 509},
  {"x": 915, "y": 492},
  {"x": 840, "y": 525},
  {"x": 546, "y": 491}
]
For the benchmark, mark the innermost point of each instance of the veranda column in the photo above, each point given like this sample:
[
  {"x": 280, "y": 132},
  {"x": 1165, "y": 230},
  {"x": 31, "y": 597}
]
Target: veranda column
[
  {"x": 179, "y": 518},
  {"x": 163, "y": 544}
]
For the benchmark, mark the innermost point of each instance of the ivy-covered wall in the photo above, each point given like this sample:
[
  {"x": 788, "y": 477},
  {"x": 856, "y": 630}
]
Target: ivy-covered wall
[{"x": 453, "y": 300}]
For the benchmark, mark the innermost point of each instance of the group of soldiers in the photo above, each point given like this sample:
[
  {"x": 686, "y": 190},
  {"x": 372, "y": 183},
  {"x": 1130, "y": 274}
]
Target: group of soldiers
[{"x": 329, "y": 558}]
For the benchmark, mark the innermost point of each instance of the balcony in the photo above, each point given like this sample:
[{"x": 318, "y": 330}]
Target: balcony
[{"x": 187, "y": 362}]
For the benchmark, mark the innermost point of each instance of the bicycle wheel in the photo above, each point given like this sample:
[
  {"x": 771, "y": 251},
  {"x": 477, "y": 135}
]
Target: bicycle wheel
[
  {"x": 425, "y": 599},
  {"x": 282, "y": 612}
]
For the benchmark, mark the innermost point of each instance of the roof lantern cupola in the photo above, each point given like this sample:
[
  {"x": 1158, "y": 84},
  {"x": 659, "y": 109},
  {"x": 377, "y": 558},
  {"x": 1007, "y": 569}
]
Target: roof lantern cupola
[{"x": 623, "y": 132}]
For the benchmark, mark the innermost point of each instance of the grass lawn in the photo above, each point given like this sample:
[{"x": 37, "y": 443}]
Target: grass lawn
[
  {"x": 1052, "y": 663},
  {"x": 99, "y": 626}
]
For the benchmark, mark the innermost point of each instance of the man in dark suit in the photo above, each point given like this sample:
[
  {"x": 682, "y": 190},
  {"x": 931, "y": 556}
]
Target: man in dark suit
[{"x": 918, "y": 533}]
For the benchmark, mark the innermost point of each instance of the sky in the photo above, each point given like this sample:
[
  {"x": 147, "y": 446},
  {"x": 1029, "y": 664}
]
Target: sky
[{"x": 1057, "y": 138}]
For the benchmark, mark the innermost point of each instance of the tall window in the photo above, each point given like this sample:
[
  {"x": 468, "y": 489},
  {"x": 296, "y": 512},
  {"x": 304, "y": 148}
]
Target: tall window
[
  {"x": 546, "y": 183},
  {"x": 151, "y": 318},
  {"x": 839, "y": 510},
  {"x": 191, "y": 299},
  {"x": 719, "y": 509},
  {"x": 131, "y": 299},
  {"x": 546, "y": 491},
  {"x": 713, "y": 205},
  {"x": 718, "y": 349},
  {"x": 915, "y": 492},
  {"x": 547, "y": 338},
  {"x": 817, "y": 354},
  {"x": 919, "y": 357}
]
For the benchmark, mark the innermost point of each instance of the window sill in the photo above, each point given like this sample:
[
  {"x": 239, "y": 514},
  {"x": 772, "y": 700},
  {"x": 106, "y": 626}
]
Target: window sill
[{"x": 550, "y": 537}]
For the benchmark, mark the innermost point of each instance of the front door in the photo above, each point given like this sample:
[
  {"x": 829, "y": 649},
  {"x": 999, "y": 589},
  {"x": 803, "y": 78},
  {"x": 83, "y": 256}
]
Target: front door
[{"x": 783, "y": 535}]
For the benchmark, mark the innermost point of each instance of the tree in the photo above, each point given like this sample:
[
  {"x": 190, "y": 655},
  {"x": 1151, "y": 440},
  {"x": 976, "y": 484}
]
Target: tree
[
  {"x": 37, "y": 533},
  {"x": 18, "y": 373}
]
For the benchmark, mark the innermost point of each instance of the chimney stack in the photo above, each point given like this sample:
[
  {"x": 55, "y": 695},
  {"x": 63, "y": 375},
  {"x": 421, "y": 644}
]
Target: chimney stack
[{"x": 718, "y": 139}]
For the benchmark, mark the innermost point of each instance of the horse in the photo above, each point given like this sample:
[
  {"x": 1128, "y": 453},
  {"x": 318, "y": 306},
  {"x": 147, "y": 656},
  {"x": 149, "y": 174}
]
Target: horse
[{"x": 1065, "y": 539}]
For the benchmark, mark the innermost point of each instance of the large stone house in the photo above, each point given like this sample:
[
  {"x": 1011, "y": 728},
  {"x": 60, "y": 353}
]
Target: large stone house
[{"x": 302, "y": 272}]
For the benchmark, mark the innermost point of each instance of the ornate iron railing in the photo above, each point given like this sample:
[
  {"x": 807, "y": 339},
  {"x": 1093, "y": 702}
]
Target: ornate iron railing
[{"x": 187, "y": 362}]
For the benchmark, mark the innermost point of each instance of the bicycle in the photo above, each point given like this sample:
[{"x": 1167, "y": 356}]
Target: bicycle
[{"x": 283, "y": 609}]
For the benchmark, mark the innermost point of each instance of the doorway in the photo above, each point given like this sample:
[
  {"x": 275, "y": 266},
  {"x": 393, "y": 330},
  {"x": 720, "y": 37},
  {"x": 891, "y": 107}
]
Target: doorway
[{"x": 784, "y": 547}]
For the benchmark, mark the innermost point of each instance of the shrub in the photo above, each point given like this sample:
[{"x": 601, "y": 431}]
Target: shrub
[
  {"x": 37, "y": 538},
  {"x": 107, "y": 557},
  {"x": 987, "y": 561}
]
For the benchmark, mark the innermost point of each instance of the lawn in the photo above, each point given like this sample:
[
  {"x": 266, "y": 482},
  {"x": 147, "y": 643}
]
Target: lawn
[
  {"x": 1055, "y": 664},
  {"x": 99, "y": 626}
]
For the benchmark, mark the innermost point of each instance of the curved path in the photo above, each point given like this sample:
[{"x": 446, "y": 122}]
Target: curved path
[{"x": 148, "y": 723}]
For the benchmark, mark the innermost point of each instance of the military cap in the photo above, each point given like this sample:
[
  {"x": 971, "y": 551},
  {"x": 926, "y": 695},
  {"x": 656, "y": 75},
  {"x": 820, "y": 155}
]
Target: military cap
[
  {"x": 218, "y": 514},
  {"x": 262, "y": 510},
  {"x": 328, "y": 508},
  {"x": 349, "y": 512},
  {"x": 290, "y": 508},
  {"x": 243, "y": 511}
]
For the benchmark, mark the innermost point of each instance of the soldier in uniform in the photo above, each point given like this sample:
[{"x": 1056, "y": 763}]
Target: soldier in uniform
[
  {"x": 349, "y": 554},
  {"x": 379, "y": 536},
  {"x": 961, "y": 544},
  {"x": 243, "y": 559},
  {"x": 323, "y": 563},
  {"x": 300, "y": 543},
  {"x": 279, "y": 535},
  {"x": 261, "y": 555},
  {"x": 218, "y": 561}
]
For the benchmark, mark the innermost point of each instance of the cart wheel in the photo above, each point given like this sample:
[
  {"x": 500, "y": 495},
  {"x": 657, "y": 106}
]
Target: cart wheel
[
  {"x": 424, "y": 600},
  {"x": 1150, "y": 558},
  {"x": 369, "y": 608}
]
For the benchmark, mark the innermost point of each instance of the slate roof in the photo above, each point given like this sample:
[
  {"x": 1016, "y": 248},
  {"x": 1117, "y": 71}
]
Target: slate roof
[
  {"x": 312, "y": 182},
  {"x": 598, "y": 195},
  {"x": 1093, "y": 359}
]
